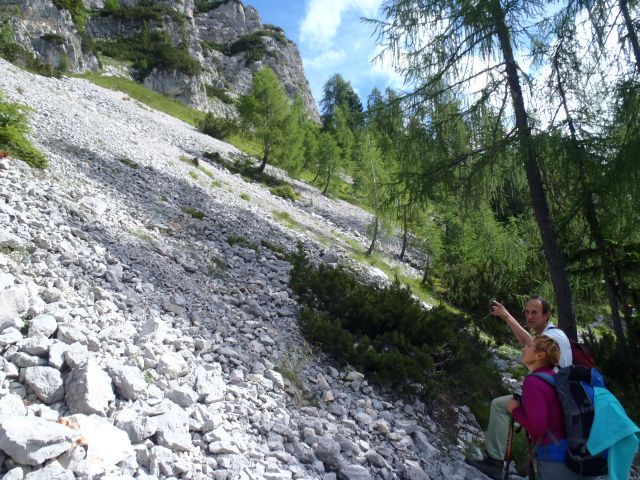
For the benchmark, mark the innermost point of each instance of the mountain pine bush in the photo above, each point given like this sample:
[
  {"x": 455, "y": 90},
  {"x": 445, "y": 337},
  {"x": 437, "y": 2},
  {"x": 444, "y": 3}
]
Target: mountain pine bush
[{"x": 386, "y": 333}]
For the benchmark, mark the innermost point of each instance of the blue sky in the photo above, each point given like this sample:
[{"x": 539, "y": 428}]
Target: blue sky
[{"x": 332, "y": 39}]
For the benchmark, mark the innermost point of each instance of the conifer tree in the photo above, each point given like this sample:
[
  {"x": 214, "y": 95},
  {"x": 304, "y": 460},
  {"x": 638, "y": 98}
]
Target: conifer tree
[
  {"x": 439, "y": 40},
  {"x": 265, "y": 114}
]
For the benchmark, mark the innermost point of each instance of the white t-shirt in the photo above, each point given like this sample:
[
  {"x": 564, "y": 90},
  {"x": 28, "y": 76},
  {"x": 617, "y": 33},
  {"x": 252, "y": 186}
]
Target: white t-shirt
[{"x": 566, "y": 358}]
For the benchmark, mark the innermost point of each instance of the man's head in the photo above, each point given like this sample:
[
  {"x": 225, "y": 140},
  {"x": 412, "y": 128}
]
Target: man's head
[{"x": 537, "y": 312}]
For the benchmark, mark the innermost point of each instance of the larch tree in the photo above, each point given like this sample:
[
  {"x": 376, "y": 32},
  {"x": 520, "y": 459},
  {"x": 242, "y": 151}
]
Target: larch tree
[
  {"x": 265, "y": 114},
  {"x": 457, "y": 43}
]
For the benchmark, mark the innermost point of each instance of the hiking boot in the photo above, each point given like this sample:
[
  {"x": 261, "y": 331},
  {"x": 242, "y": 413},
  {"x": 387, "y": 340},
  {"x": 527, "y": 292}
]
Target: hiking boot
[{"x": 491, "y": 467}]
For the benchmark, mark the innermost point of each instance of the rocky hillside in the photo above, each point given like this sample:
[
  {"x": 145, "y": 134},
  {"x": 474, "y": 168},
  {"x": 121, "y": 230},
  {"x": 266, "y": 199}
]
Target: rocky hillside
[
  {"x": 202, "y": 52},
  {"x": 146, "y": 325}
]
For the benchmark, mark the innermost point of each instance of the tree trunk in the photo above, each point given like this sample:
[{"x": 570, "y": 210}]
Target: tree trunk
[
  {"x": 425, "y": 275},
  {"x": 404, "y": 232},
  {"x": 631, "y": 31},
  {"x": 551, "y": 247},
  {"x": 265, "y": 157},
  {"x": 591, "y": 216},
  {"x": 375, "y": 237}
]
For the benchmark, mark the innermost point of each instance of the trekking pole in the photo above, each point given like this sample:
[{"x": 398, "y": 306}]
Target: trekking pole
[{"x": 507, "y": 457}]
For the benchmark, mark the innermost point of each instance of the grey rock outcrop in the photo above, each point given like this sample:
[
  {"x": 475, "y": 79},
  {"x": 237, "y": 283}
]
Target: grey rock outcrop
[{"x": 212, "y": 38}]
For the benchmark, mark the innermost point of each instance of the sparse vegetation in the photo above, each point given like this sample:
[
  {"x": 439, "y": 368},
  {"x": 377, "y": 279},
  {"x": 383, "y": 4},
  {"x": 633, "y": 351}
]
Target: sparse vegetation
[
  {"x": 245, "y": 196},
  {"x": 197, "y": 214},
  {"x": 53, "y": 38},
  {"x": 218, "y": 127},
  {"x": 275, "y": 248},
  {"x": 142, "y": 235},
  {"x": 129, "y": 163},
  {"x": 286, "y": 219},
  {"x": 241, "y": 241},
  {"x": 216, "y": 267},
  {"x": 13, "y": 130},
  {"x": 148, "y": 377},
  {"x": 203, "y": 6},
  {"x": 150, "y": 50},
  {"x": 78, "y": 12},
  {"x": 219, "y": 93},
  {"x": 148, "y": 97}
]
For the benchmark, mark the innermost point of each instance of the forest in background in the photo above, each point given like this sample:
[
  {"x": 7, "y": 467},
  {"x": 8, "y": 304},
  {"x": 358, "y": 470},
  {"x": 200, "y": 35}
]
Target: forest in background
[{"x": 511, "y": 162}]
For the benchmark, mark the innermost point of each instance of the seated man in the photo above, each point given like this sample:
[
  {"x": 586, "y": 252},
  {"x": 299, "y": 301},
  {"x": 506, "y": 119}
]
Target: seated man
[{"x": 537, "y": 313}]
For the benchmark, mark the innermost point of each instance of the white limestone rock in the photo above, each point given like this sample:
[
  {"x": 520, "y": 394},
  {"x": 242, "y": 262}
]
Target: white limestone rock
[
  {"x": 11, "y": 404},
  {"x": 43, "y": 324},
  {"x": 209, "y": 383},
  {"x": 88, "y": 389},
  {"x": 9, "y": 336},
  {"x": 106, "y": 444},
  {"x": 276, "y": 378},
  {"x": 45, "y": 382},
  {"x": 173, "y": 365},
  {"x": 33, "y": 440},
  {"x": 128, "y": 381}
]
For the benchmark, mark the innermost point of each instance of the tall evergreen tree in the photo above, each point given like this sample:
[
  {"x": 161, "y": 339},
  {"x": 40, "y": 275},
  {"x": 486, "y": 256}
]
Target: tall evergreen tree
[
  {"x": 338, "y": 92},
  {"x": 445, "y": 37},
  {"x": 265, "y": 114}
]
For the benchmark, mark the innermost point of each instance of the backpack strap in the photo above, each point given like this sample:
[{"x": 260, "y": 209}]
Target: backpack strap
[{"x": 550, "y": 379}]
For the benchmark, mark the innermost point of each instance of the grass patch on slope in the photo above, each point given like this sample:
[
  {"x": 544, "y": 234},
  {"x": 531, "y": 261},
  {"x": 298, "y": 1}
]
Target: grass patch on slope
[{"x": 147, "y": 96}]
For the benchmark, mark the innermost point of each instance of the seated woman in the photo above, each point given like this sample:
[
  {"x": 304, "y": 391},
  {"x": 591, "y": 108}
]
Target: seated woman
[{"x": 541, "y": 413}]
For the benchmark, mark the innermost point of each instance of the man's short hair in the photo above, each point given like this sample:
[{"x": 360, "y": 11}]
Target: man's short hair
[{"x": 546, "y": 306}]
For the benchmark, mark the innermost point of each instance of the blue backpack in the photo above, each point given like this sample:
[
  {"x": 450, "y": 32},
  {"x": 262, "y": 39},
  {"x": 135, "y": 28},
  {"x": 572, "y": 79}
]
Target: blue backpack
[{"x": 574, "y": 385}]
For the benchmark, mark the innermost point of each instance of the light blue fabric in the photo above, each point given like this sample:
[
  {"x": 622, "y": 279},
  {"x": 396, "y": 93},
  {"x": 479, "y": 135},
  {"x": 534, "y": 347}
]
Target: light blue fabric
[{"x": 613, "y": 429}]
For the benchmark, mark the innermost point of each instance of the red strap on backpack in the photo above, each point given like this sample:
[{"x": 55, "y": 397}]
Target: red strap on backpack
[{"x": 581, "y": 355}]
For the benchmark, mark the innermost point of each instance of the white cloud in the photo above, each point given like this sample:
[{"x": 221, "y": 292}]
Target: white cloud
[
  {"x": 324, "y": 60},
  {"x": 383, "y": 67},
  {"x": 324, "y": 18}
]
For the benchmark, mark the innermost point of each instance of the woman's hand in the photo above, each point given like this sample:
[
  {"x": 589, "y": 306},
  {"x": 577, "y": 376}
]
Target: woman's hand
[{"x": 512, "y": 403}]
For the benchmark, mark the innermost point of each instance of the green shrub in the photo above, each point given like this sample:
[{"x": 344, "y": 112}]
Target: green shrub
[
  {"x": 111, "y": 6},
  {"x": 245, "y": 196},
  {"x": 149, "y": 50},
  {"x": 621, "y": 375},
  {"x": 285, "y": 191},
  {"x": 219, "y": 93},
  {"x": 253, "y": 44},
  {"x": 218, "y": 127},
  {"x": 203, "y": 6},
  {"x": 13, "y": 128},
  {"x": 208, "y": 46},
  {"x": 145, "y": 11},
  {"x": 387, "y": 334},
  {"x": 53, "y": 38}
]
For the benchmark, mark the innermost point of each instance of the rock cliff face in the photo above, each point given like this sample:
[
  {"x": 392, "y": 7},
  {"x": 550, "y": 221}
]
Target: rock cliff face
[{"x": 224, "y": 42}]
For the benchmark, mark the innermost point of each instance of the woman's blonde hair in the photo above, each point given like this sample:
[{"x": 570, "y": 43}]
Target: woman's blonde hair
[{"x": 549, "y": 346}]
